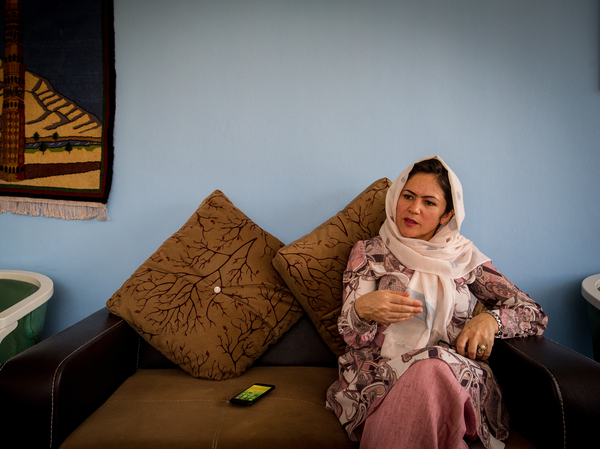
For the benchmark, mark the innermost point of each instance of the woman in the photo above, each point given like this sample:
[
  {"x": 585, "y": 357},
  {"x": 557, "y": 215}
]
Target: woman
[{"x": 414, "y": 374}]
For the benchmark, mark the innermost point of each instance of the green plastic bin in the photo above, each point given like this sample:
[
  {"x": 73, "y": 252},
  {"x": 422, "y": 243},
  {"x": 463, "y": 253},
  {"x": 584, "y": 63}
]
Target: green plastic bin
[{"x": 23, "y": 302}]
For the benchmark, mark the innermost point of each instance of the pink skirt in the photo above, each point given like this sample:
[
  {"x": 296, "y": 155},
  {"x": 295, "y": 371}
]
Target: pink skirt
[{"x": 426, "y": 408}]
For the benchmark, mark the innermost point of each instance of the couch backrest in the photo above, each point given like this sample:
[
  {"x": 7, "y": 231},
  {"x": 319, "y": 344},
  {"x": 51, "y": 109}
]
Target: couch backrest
[{"x": 300, "y": 346}]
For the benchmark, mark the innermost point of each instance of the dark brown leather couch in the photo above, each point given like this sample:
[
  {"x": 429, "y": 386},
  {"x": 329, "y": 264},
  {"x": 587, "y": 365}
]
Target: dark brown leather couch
[{"x": 97, "y": 384}]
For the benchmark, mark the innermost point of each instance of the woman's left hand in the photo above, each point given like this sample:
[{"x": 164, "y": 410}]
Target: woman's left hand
[{"x": 479, "y": 332}]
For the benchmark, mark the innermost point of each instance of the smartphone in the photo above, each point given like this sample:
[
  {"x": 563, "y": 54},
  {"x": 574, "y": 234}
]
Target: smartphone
[{"x": 251, "y": 394}]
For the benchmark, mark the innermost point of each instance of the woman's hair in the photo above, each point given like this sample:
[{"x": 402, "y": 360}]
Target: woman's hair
[{"x": 436, "y": 168}]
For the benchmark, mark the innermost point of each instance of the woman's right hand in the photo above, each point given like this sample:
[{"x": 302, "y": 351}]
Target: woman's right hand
[{"x": 387, "y": 307}]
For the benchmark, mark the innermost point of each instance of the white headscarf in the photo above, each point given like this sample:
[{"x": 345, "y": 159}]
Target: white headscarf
[{"x": 437, "y": 263}]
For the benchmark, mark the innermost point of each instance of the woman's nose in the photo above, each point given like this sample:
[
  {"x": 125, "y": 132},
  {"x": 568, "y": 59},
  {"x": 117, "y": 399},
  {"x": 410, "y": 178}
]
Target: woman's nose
[{"x": 414, "y": 207}]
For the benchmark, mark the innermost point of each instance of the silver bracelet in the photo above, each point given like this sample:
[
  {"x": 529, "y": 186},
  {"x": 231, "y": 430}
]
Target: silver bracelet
[{"x": 497, "y": 318}]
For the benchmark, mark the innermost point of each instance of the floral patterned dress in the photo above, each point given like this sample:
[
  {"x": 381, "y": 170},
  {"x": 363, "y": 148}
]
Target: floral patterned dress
[{"x": 365, "y": 377}]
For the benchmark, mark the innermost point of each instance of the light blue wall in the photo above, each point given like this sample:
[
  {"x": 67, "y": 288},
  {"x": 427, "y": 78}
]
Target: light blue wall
[{"x": 293, "y": 107}]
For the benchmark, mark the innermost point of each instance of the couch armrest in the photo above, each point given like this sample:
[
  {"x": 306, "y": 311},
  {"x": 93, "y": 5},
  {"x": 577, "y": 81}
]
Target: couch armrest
[
  {"x": 48, "y": 390},
  {"x": 552, "y": 393}
]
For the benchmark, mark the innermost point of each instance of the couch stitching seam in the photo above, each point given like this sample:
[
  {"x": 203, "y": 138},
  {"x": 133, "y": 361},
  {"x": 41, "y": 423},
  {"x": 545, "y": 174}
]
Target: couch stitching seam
[
  {"x": 137, "y": 360},
  {"x": 569, "y": 349},
  {"x": 58, "y": 368},
  {"x": 562, "y": 408},
  {"x": 297, "y": 400},
  {"x": 220, "y": 423}
]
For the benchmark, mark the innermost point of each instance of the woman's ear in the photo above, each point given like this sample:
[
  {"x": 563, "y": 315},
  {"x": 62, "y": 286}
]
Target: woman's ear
[{"x": 446, "y": 217}]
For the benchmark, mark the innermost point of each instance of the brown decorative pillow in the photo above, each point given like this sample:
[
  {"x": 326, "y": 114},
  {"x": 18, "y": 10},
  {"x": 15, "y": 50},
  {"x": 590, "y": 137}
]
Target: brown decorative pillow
[
  {"x": 209, "y": 298},
  {"x": 313, "y": 266}
]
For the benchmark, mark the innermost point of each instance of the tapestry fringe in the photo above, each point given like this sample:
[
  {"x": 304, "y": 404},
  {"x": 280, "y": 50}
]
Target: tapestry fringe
[{"x": 66, "y": 210}]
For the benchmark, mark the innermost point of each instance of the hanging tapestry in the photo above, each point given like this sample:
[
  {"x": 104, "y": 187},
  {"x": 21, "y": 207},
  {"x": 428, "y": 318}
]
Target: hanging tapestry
[{"x": 58, "y": 90}]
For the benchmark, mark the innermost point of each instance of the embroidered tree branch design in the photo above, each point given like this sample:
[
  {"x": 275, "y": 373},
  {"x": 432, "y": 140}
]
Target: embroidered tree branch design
[{"x": 214, "y": 280}]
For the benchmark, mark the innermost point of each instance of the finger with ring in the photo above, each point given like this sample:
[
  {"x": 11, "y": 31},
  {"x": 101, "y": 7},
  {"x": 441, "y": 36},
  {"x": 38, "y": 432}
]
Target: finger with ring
[{"x": 481, "y": 349}]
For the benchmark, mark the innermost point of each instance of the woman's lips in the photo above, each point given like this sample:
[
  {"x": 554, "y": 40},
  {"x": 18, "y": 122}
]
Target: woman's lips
[{"x": 409, "y": 222}]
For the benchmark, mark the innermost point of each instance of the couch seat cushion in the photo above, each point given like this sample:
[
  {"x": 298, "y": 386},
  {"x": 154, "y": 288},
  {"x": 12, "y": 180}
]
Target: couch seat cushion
[{"x": 168, "y": 408}]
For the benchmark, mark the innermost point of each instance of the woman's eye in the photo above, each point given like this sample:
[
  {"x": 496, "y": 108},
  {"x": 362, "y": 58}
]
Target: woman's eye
[{"x": 430, "y": 203}]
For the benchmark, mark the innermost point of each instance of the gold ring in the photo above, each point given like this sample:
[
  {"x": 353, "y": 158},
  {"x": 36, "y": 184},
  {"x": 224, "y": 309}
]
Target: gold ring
[{"x": 481, "y": 349}]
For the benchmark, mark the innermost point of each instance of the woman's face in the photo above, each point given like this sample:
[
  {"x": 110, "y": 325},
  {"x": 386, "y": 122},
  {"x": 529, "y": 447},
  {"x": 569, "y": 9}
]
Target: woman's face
[{"x": 421, "y": 206}]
